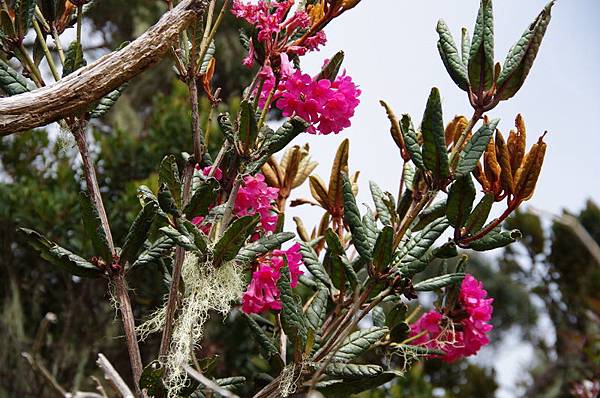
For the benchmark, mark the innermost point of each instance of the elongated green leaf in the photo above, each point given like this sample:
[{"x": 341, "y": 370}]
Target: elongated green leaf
[
  {"x": 332, "y": 68},
  {"x": 495, "y": 239},
  {"x": 358, "y": 342},
  {"x": 11, "y": 81},
  {"x": 410, "y": 140},
  {"x": 168, "y": 174},
  {"x": 312, "y": 263},
  {"x": 210, "y": 54},
  {"x": 438, "y": 282},
  {"x": 370, "y": 227},
  {"x": 157, "y": 250},
  {"x": 61, "y": 257},
  {"x": 93, "y": 228},
  {"x": 248, "y": 129},
  {"x": 382, "y": 253},
  {"x": 138, "y": 233},
  {"x": 292, "y": 318},
  {"x": 224, "y": 121},
  {"x": 460, "y": 201},
  {"x": 479, "y": 216},
  {"x": 378, "y": 316},
  {"x": 435, "y": 154},
  {"x": 202, "y": 198},
  {"x": 352, "y": 371},
  {"x": 481, "y": 56},
  {"x": 345, "y": 388},
  {"x": 268, "y": 349},
  {"x": 465, "y": 46},
  {"x": 433, "y": 212},
  {"x": 284, "y": 135},
  {"x": 475, "y": 148},
  {"x": 521, "y": 56},
  {"x": 231, "y": 383},
  {"x": 178, "y": 238},
  {"x": 419, "y": 350},
  {"x": 24, "y": 10},
  {"x": 352, "y": 217},
  {"x": 166, "y": 201},
  {"x": 73, "y": 58},
  {"x": 451, "y": 56},
  {"x": 382, "y": 210},
  {"x": 317, "y": 310},
  {"x": 234, "y": 237},
  {"x": 447, "y": 250},
  {"x": 198, "y": 237},
  {"x": 349, "y": 272},
  {"x": 250, "y": 252},
  {"x": 417, "y": 246},
  {"x": 107, "y": 102}
]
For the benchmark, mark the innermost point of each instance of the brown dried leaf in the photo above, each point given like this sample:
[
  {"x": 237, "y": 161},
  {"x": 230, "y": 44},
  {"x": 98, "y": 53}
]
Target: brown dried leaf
[
  {"x": 395, "y": 128},
  {"x": 527, "y": 175},
  {"x": 480, "y": 177},
  {"x": 301, "y": 230},
  {"x": 491, "y": 167},
  {"x": 270, "y": 171},
  {"x": 340, "y": 165},
  {"x": 319, "y": 191},
  {"x": 516, "y": 144},
  {"x": 506, "y": 177}
]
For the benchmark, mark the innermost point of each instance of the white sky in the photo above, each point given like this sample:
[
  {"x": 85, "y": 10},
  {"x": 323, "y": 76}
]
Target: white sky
[{"x": 391, "y": 53}]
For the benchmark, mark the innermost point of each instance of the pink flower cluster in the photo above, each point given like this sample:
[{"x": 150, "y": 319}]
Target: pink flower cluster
[
  {"x": 262, "y": 294},
  {"x": 326, "y": 105},
  {"x": 276, "y": 31},
  {"x": 463, "y": 337},
  {"x": 254, "y": 196}
]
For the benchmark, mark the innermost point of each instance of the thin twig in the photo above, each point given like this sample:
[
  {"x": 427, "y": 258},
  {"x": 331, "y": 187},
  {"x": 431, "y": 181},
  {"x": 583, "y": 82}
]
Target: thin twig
[
  {"x": 228, "y": 213},
  {"x": 209, "y": 383},
  {"x": 113, "y": 376}
]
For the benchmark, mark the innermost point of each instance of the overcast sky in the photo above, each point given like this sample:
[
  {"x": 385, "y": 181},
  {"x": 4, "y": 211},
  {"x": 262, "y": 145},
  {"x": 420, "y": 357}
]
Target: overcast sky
[{"x": 391, "y": 52}]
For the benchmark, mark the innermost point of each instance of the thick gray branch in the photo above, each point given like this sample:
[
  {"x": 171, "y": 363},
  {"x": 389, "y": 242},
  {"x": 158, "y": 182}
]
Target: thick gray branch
[{"x": 78, "y": 91}]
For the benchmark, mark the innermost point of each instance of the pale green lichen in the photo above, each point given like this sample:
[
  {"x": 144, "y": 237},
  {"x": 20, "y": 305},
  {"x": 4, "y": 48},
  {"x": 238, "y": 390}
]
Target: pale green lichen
[{"x": 206, "y": 289}]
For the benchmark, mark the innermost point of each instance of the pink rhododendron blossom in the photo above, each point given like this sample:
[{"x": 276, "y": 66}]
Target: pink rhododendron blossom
[
  {"x": 255, "y": 196},
  {"x": 460, "y": 338},
  {"x": 276, "y": 31},
  {"x": 262, "y": 293},
  {"x": 328, "y": 106}
]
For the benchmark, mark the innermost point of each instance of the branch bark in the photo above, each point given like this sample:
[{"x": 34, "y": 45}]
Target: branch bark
[{"x": 78, "y": 91}]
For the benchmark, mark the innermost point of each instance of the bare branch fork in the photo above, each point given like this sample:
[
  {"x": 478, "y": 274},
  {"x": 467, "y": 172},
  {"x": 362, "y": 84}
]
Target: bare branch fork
[{"x": 78, "y": 91}]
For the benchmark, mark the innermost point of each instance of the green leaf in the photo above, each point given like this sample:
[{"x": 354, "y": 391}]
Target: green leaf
[
  {"x": 481, "y": 56},
  {"x": 479, "y": 216},
  {"x": 345, "y": 388},
  {"x": 157, "y": 250},
  {"x": 250, "y": 252},
  {"x": 410, "y": 140},
  {"x": 248, "y": 129},
  {"x": 460, "y": 201},
  {"x": 312, "y": 263},
  {"x": 495, "y": 239},
  {"x": 198, "y": 237},
  {"x": 352, "y": 217},
  {"x": 435, "y": 153},
  {"x": 382, "y": 210},
  {"x": 60, "y": 257},
  {"x": 7, "y": 29},
  {"x": 292, "y": 318},
  {"x": 451, "y": 57},
  {"x": 166, "y": 201},
  {"x": 358, "y": 342},
  {"x": 107, "y": 102},
  {"x": 447, "y": 250},
  {"x": 419, "y": 351},
  {"x": 138, "y": 233},
  {"x": 370, "y": 227},
  {"x": 352, "y": 371},
  {"x": 284, "y": 135},
  {"x": 417, "y": 246},
  {"x": 475, "y": 148},
  {"x": 521, "y": 56},
  {"x": 24, "y": 10},
  {"x": 234, "y": 237},
  {"x": 433, "y": 212},
  {"x": 178, "y": 238},
  {"x": 332, "y": 68},
  {"x": 168, "y": 174},
  {"x": 438, "y": 282},
  {"x": 73, "y": 58},
  {"x": 151, "y": 380},
  {"x": 202, "y": 198},
  {"x": 210, "y": 54},
  {"x": 11, "y": 81},
  {"x": 465, "y": 46},
  {"x": 382, "y": 253},
  {"x": 378, "y": 316},
  {"x": 230, "y": 383},
  {"x": 268, "y": 349},
  {"x": 224, "y": 121},
  {"x": 94, "y": 229},
  {"x": 316, "y": 311}
]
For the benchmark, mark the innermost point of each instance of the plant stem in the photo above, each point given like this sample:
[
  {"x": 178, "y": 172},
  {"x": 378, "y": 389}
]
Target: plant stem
[
  {"x": 173, "y": 300},
  {"x": 26, "y": 60},
  {"x": 228, "y": 214},
  {"x": 197, "y": 137},
  {"x": 59, "y": 47},
  {"x": 490, "y": 227},
  {"x": 213, "y": 31},
  {"x": 133, "y": 348},
  {"x": 42, "y": 41},
  {"x": 79, "y": 22}
]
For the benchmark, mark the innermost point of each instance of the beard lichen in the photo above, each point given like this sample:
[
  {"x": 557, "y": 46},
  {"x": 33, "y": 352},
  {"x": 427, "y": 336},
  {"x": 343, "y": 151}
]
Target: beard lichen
[{"x": 206, "y": 289}]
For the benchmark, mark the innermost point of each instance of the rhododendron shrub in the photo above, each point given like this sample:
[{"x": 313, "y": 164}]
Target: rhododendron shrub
[{"x": 316, "y": 299}]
